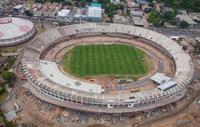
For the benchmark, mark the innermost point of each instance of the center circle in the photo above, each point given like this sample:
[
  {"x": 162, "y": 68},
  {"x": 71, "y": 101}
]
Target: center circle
[{"x": 117, "y": 60}]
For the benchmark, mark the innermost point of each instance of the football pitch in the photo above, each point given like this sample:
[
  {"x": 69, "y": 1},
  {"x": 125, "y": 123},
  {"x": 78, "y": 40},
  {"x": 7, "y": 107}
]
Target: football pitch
[{"x": 106, "y": 59}]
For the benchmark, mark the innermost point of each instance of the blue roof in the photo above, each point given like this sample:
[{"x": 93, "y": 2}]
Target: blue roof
[{"x": 95, "y": 5}]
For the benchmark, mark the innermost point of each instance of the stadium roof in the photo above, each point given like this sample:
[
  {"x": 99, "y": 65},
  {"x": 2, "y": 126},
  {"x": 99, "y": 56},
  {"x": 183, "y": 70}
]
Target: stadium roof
[
  {"x": 13, "y": 28},
  {"x": 166, "y": 85},
  {"x": 51, "y": 70},
  {"x": 160, "y": 78}
]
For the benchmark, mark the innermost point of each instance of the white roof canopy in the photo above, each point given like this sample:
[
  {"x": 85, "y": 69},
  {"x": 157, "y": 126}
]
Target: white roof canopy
[
  {"x": 51, "y": 71},
  {"x": 166, "y": 85},
  {"x": 160, "y": 78}
]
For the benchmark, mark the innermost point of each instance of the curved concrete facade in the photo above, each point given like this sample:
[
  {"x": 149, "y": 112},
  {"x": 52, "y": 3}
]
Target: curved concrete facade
[
  {"x": 47, "y": 90},
  {"x": 15, "y": 30}
]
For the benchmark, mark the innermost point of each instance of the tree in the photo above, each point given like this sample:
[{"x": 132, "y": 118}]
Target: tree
[
  {"x": 155, "y": 18},
  {"x": 183, "y": 24},
  {"x": 8, "y": 76},
  {"x": 169, "y": 15},
  {"x": 82, "y": 3},
  {"x": 38, "y": 1},
  {"x": 28, "y": 13},
  {"x": 197, "y": 49}
]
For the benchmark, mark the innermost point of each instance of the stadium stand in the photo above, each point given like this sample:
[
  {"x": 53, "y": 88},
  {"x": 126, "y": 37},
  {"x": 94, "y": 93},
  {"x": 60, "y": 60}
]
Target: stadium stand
[{"x": 45, "y": 86}]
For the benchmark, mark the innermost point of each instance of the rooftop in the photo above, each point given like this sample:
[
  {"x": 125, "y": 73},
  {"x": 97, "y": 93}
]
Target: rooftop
[
  {"x": 14, "y": 27},
  {"x": 186, "y": 18},
  {"x": 94, "y": 11},
  {"x": 160, "y": 78}
]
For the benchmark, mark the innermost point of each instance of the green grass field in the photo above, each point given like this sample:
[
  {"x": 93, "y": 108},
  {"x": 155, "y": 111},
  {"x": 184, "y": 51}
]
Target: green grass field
[{"x": 109, "y": 60}]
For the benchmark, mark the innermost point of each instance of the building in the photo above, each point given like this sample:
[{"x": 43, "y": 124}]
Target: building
[
  {"x": 131, "y": 4},
  {"x": 63, "y": 13},
  {"x": 94, "y": 12},
  {"x": 160, "y": 78},
  {"x": 46, "y": 10},
  {"x": 197, "y": 39},
  {"x": 15, "y": 30},
  {"x": 167, "y": 9},
  {"x": 181, "y": 11},
  {"x": 136, "y": 13},
  {"x": 142, "y": 2},
  {"x": 37, "y": 7},
  {"x": 186, "y": 18},
  {"x": 195, "y": 16},
  {"x": 17, "y": 9},
  {"x": 80, "y": 14},
  {"x": 115, "y": 1},
  {"x": 138, "y": 21},
  {"x": 64, "y": 91},
  {"x": 119, "y": 19}
]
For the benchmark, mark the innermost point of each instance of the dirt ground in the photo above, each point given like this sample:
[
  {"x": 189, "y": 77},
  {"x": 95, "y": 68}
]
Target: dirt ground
[
  {"x": 37, "y": 113},
  {"x": 188, "y": 118}
]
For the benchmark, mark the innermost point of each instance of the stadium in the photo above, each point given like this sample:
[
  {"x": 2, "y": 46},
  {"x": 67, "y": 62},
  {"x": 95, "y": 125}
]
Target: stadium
[
  {"x": 14, "y": 31},
  {"x": 63, "y": 67}
]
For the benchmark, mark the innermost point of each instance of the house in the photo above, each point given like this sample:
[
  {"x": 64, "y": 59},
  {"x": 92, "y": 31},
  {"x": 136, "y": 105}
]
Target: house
[
  {"x": 37, "y": 7},
  {"x": 47, "y": 9},
  {"x": 131, "y": 4},
  {"x": 115, "y": 1},
  {"x": 181, "y": 11},
  {"x": 195, "y": 16},
  {"x": 17, "y": 9},
  {"x": 63, "y": 13},
  {"x": 186, "y": 18},
  {"x": 167, "y": 9},
  {"x": 138, "y": 21},
  {"x": 136, "y": 13},
  {"x": 94, "y": 12},
  {"x": 119, "y": 19}
]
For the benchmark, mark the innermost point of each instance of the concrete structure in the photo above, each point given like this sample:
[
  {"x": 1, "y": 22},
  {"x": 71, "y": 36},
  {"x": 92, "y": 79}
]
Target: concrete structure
[
  {"x": 160, "y": 78},
  {"x": 186, "y": 18},
  {"x": 47, "y": 9},
  {"x": 167, "y": 9},
  {"x": 136, "y": 13},
  {"x": 94, "y": 12},
  {"x": 167, "y": 85},
  {"x": 119, "y": 19},
  {"x": 63, "y": 12},
  {"x": 47, "y": 89},
  {"x": 138, "y": 21},
  {"x": 91, "y": 13},
  {"x": 15, "y": 30}
]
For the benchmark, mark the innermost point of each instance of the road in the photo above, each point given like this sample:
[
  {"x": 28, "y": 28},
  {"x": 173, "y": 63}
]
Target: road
[{"x": 192, "y": 33}]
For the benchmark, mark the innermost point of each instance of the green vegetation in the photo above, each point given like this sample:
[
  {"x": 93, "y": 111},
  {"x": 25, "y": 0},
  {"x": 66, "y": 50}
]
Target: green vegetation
[
  {"x": 196, "y": 50},
  {"x": 5, "y": 122},
  {"x": 3, "y": 96},
  {"x": 5, "y": 74},
  {"x": 190, "y": 5},
  {"x": 183, "y": 24},
  {"x": 111, "y": 9},
  {"x": 158, "y": 19},
  {"x": 155, "y": 18},
  {"x": 9, "y": 63},
  {"x": 169, "y": 15},
  {"x": 112, "y": 60},
  {"x": 8, "y": 76}
]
